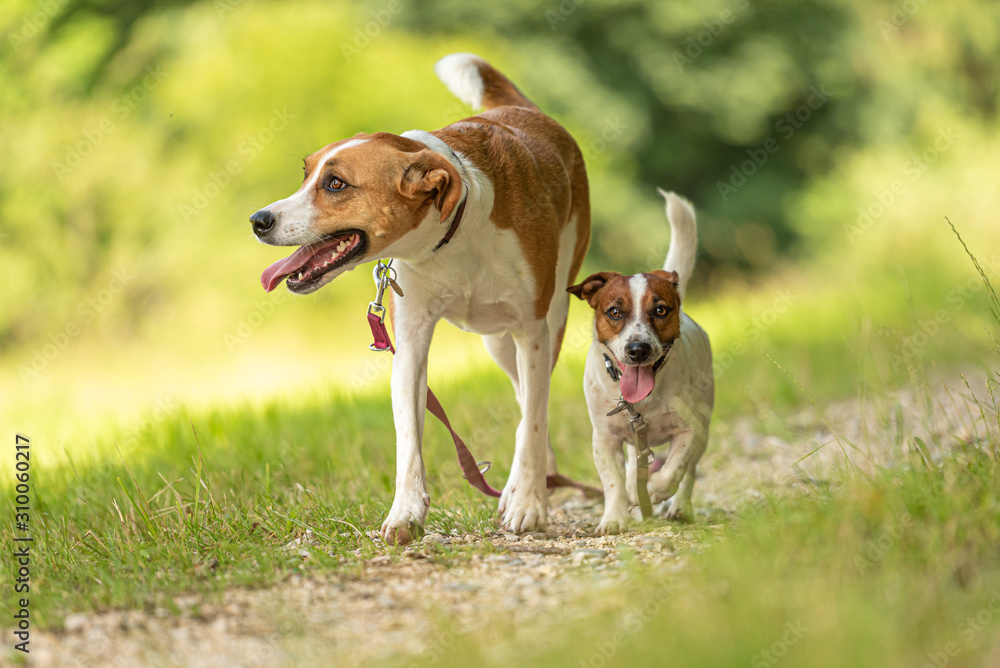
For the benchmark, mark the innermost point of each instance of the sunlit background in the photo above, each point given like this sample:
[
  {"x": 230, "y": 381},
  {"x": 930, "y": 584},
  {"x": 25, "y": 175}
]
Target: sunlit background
[{"x": 823, "y": 144}]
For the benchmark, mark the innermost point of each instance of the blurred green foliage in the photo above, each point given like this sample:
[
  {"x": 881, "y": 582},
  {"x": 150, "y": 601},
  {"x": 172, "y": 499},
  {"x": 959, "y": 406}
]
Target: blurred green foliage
[{"x": 822, "y": 143}]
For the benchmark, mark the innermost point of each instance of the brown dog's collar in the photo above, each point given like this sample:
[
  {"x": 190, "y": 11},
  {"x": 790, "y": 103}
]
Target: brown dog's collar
[
  {"x": 461, "y": 207},
  {"x": 454, "y": 223}
]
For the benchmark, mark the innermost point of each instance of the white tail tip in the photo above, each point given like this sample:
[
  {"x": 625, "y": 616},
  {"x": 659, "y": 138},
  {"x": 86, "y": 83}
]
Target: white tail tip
[
  {"x": 460, "y": 73},
  {"x": 677, "y": 206}
]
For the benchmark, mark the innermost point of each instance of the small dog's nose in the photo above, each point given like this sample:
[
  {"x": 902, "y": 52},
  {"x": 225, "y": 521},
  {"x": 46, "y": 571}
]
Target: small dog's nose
[
  {"x": 262, "y": 221},
  {"x": 638, "y": 351}
]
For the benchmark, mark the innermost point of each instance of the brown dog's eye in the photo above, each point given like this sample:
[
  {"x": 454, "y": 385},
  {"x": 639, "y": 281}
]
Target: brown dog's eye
[
  {"x": 336, "y": 184},
  {"x": 614, "y": 313},
  {"x": 662, "y": 311}
]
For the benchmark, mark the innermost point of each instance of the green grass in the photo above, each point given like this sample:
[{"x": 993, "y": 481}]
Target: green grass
[
  {"x": 881, "y": 572},
  {"x": 208, "y": 500}
]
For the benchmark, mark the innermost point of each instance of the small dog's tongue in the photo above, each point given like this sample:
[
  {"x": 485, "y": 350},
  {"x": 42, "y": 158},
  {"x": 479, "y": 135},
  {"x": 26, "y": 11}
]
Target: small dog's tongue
[
  {"x": 277, "y": 272},
  {"x": 636, "y": 382}
]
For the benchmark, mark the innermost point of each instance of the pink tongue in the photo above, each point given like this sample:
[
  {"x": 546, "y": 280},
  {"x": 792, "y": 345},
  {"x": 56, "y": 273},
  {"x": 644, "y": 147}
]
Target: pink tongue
[
  {"x": 277, "y": 272},
  {"x": 636, "y": 383}
]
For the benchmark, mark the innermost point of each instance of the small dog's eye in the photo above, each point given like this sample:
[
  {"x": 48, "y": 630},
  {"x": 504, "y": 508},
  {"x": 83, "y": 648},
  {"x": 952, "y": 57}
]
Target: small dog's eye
[
  {"x": 662, "y": 311},
  {"x": 614, "y": 313},
  {"x": 336, "y": 184}
]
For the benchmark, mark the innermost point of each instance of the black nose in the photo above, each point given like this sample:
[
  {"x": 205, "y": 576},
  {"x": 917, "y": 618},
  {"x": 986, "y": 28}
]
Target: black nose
[
  {"x": 638, "y": 351},
  {"x": 262, "y": 221}
]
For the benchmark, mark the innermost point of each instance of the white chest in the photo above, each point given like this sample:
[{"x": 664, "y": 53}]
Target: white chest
[{"x": 481, "y": 284}]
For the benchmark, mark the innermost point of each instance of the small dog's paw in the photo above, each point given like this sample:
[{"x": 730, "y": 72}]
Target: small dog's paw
[
  {"x": 523, "y": 508},
  {"x": 680, "y": 511},
  {"x": 405, "y": 522}
]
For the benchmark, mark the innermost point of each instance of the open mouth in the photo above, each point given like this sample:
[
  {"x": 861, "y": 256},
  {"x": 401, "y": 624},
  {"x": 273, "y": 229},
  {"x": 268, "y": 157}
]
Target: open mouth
[
  {"x": 636, "y": 382},
  {"x": 306, "y": 267}
]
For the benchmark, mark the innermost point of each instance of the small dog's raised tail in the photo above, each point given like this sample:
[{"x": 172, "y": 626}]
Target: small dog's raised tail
[
  {"x": 683, "y": 239},
  {"x": 475, "y": 82}
]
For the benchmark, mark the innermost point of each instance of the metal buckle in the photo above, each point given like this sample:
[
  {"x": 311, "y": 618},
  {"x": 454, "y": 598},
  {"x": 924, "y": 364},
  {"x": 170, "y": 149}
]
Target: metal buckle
[
  {"x": 483, "y": 467},
  {"x": 646, "y": 454}
]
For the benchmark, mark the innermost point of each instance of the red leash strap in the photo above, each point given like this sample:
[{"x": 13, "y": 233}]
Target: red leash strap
[
  {"x": 380, "y": 334},
  {"x": 468, "y": 463},
  {"x": 470, "y": 468}
]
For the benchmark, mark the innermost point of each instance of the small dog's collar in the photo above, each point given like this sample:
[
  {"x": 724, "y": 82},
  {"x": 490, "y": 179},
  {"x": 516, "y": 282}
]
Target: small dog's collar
[
  {"x": 663, "y": 358},
  {"x": 612, "y": 368}
]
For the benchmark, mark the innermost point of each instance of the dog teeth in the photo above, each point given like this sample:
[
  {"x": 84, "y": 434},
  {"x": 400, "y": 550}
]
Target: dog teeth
[
  {"x": 302, "y": 275},
  {"x": 341, "y": 246},
  {"x": 326, "y": 264}
]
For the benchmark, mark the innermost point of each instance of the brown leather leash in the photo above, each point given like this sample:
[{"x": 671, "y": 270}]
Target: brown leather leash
[
  {"x": 473, "y": 471},
  {"x": 644, "y": 456}
]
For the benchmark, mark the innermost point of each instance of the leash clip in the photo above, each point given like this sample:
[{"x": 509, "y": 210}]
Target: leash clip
[
  {"x": 636, "y": 422},
  {"x": 633, "y": 416},
  {"x": 380, "y": 274}
]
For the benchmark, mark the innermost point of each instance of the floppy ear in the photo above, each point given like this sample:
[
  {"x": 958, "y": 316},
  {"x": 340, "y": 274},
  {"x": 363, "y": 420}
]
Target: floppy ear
[
  {"x": 671, "y": 276},
  {"x": 430, "y": 174},
  {"x": 591, "y": 285}
]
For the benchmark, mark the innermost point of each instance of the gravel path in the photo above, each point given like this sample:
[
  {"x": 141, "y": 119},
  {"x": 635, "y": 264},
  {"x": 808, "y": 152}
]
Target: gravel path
[{"x": 396, "y": 605}]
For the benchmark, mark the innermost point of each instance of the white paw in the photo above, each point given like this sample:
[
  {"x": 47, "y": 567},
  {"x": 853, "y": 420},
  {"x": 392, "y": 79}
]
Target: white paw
[
  {"x": 406, "y": 520},
  {"x": 523, "y": 506}
]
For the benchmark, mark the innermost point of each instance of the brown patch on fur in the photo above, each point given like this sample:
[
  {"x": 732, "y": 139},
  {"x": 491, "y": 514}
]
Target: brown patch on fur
[
  {"x": 662, "y": 294},
  {"x": 498, "y": 90},
  {"x": 540, "y": 182},
  {"x": 391, "y": 182},
  {"x": 670, "y": 276},
  {"x": 605, "y": 291},
  {"x": 587, "y": 290}
]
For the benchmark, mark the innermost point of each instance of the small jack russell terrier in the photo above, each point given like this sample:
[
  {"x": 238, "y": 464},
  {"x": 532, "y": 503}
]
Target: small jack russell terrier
[{"x": 647, "y": 351}]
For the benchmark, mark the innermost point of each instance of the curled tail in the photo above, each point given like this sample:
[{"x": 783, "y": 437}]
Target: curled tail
[
  {"x": 475, "y": 82},
  {"x": 683, "y": 239}
]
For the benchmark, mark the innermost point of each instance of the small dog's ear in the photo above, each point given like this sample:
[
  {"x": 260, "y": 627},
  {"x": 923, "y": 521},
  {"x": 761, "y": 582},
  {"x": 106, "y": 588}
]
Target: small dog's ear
[
  {"x": 588, "y": 289},
  {"x": 430, "y": 174},
  {"x": 671, "y": 276}
]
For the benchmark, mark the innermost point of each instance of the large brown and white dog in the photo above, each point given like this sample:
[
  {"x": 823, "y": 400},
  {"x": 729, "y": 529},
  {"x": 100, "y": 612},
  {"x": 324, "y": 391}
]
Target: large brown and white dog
[
  {"x": 513, "y": 181},
  {"x": 647, "y": 351}
]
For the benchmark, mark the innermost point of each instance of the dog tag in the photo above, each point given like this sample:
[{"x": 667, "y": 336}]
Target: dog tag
[{"x": 395, "y": 286}]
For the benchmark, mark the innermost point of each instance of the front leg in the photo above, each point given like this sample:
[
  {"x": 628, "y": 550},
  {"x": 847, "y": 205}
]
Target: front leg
[
  {"x": 610, "y": 462},
  {"x": 409, "y": 401},
  {"x": 664, "y": 483},
  {"x": 523, "y": 504}
]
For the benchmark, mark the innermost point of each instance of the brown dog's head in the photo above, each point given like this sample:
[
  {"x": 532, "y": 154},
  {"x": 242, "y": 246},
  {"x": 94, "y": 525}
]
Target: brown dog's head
[
  {"x": 638, "y": 318},
  {"x": 359, "y": 197}
]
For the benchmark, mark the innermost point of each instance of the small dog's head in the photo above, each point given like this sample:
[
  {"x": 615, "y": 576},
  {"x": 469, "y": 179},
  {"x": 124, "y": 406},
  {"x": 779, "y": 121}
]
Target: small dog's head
[
  {"x": 638, "y": 318},
  {"x": 359, "y": 197}
]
